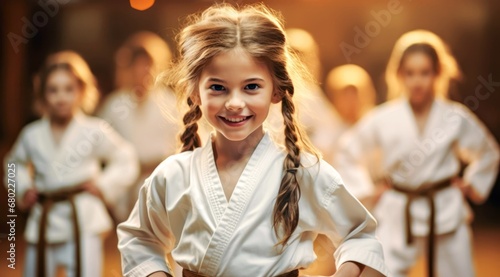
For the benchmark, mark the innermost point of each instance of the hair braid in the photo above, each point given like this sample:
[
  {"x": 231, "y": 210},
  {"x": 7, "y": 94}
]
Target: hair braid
[
  {"x": 286, "y": 209},
  {"x": 190, "y": 138}
]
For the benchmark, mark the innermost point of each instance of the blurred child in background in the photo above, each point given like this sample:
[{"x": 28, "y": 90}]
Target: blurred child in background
[
  {"x": 60, "y": 179},
  {"x": 141, "y": 112},
  {"x": 423, "y": 138},
  {"x": 350, "y": 90}
]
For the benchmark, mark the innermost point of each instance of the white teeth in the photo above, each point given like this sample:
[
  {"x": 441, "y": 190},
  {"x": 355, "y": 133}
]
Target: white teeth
[{"x": 239, "y": 119}]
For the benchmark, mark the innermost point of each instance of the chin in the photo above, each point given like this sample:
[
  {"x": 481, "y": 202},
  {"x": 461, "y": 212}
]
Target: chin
[
  {"x": 62, "y": 115},
  {"x": 232, "y": 136},
  {"x": 240, "y": 135}
]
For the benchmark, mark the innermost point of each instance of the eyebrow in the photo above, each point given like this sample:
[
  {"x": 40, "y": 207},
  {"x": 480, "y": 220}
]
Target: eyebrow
[
  {"x": 212, "y": 79},
  {"x": 254, "y": 79},
  {"x": 216, "y": 80}
]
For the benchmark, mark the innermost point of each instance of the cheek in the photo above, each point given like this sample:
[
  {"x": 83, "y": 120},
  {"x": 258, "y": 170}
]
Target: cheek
[
  {"x": 210, "y": 105},
  {"x": 429, "y": 80},
  {"x": 49, "y": 98},
  {"x": 259, "y": 104},
  {"x": 72, "y": 96}
]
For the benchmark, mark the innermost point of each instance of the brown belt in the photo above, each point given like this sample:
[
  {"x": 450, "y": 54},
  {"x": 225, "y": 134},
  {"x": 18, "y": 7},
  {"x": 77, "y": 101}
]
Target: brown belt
[
  {"x": 428, "y": 192},
  {"x": 48, "y": 200},
  {"x": 188, "y": 273}
]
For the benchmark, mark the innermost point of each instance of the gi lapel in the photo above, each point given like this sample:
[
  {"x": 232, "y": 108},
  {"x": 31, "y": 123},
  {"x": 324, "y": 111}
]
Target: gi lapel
[{"x": 231, "y": 216}]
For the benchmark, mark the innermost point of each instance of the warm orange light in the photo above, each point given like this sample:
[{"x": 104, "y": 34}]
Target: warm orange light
[{"x": 141, "y": 5}]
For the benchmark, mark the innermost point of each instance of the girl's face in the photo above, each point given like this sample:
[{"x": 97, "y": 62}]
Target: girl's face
[
  {"x": 347, "y": 103},
  {"x": 62, "y": 94},
  {"x": 142, "y": 77},
  {"x": 418, "y": 76},
  {"x": 236, "y": 91}
]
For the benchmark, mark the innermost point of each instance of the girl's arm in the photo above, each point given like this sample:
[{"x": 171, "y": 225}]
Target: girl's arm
[
  {"x": 146, "y": 236},
  {"x": 349, "y": 269},
  {"x": 122, "y": 166},
  {"x": 18, "y": 179},
  {"x": 344, "y": 220},
  {"x": 478, "y": 148}
]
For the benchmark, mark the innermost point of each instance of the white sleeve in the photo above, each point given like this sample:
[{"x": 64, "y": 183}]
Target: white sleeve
[
  {"x": 19, "y": 156},
  {"x": 354, "y": 145},
  {"x": 121, "y": 164},
  {"x": 349, "y": 226},
  {"x": 146, "y": 237},
  {"x": 478, "y": 148}
]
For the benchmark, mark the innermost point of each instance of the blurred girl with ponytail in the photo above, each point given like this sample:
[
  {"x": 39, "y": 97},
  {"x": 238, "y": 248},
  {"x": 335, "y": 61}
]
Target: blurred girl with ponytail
[{"x": 242, "y": 205}]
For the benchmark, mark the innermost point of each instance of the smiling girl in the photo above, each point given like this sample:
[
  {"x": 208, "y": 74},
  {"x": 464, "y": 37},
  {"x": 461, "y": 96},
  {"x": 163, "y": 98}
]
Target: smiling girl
[
  {"x": 423, "y": 138},
  {"x": 242, "y": 205}
]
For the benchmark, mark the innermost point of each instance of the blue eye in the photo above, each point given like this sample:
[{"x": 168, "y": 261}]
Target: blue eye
[
  {"x": 252, "y": 87},
  {"x": 217, "y": 88}
]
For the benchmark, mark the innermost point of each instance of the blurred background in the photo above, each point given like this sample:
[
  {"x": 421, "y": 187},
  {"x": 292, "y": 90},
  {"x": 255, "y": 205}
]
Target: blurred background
[{"x": 346, "y": 32}]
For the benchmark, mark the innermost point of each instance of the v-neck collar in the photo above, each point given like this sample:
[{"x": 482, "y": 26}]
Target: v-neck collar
[
  {"x": 244, "y": 186},
  {"x": 228, "y": 214},
  {"x": 421, "y": 134},
  {"x": 58, "y": 147}
]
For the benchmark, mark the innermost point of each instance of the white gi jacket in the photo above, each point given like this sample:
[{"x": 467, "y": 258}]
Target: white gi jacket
[
  {"x": 153, "y": 132},
  {"x": 452, "y": 133},
  {"x": 86, "y": 143},
  {"x": 182, "y": 209}
]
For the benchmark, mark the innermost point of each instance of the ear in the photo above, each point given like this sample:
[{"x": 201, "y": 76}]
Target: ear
[{"x": 276, "y": 97}]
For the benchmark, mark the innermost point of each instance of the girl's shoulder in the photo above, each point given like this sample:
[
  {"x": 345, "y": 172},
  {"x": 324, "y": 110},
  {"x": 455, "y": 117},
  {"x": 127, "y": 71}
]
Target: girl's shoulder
[
  {"x": 389, "y": 107},
  {"x": 33, "y": 127},
  {"x": 453, "y": 105},
  {"x": 176, "y": 167},
  {"x": 318, "y": 173},
  {"x": 114, "y": 96},
  {"x": 90, "y": 122},
  {"x": 383, "y": 113},
  {"x": 459, "y": 114}
]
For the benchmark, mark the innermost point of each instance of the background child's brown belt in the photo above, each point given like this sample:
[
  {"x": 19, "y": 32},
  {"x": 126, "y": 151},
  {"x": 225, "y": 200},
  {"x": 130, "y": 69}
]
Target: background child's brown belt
[
  {"x": 428, "y": 191},
  {"x": 47, "y": 200}
]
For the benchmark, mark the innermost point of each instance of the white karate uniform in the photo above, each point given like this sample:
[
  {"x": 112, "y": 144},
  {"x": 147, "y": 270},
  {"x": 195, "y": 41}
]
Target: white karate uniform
[
  {"x": 182, "y": 209},
  {"x": 63, "y": 255},
  {"x": 85, "y": 144},
  {"x": 150, "y": 126},
  {"x": 452, "y": 133}
]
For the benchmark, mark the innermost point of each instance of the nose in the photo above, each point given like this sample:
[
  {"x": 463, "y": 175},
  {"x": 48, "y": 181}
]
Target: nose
[{"x": 235, "y": 102}]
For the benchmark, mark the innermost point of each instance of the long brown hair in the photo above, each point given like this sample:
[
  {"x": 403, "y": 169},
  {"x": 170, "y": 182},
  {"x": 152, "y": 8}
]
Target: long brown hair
[{"x": 259, "y": 31}]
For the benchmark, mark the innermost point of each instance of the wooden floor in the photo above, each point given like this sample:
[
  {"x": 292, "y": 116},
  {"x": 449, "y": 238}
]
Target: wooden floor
[{"x": 486, "y": 255}]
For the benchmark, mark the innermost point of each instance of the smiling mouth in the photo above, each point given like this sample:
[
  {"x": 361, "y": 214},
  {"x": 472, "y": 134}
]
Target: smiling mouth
[{"x": 235, "y": 120}]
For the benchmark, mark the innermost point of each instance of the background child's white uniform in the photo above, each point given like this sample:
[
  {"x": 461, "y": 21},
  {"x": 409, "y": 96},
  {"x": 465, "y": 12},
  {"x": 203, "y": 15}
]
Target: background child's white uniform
[
  {"x": 86, "y": 143},
  {"x": 452, "y": 133},
  {"x": 63, "y": 254},
  {"x": 182, "y": 208},
  {"x": 152, "y": 133}
]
